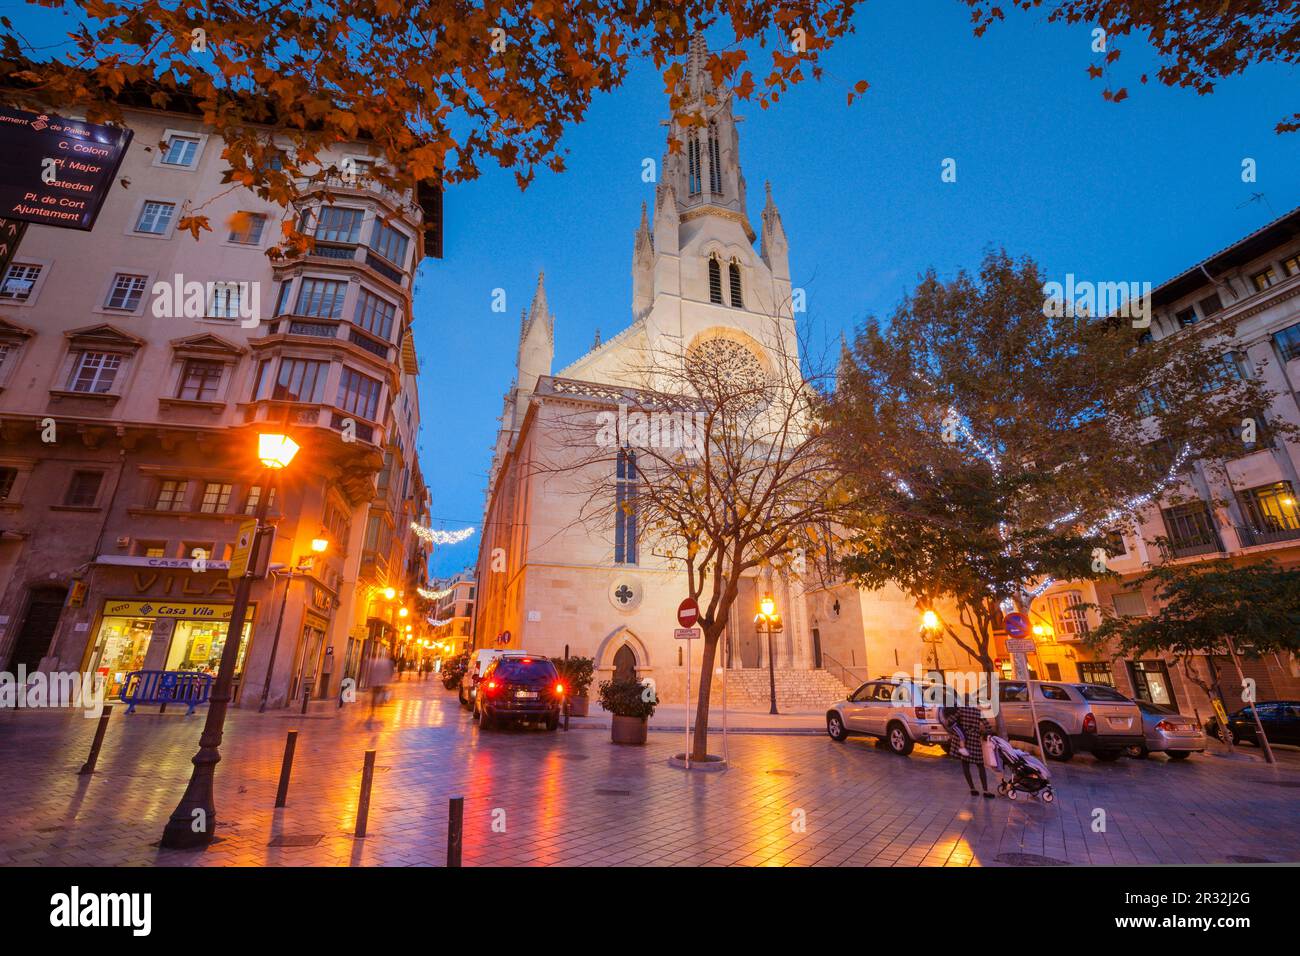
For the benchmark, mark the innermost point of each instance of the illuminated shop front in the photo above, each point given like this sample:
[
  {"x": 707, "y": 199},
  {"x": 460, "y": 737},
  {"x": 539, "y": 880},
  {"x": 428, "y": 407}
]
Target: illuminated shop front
[{"x": 163, "y": 635}]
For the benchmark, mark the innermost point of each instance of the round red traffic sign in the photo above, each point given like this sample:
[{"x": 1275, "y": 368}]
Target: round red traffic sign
[{"x": 688, "y": 612}]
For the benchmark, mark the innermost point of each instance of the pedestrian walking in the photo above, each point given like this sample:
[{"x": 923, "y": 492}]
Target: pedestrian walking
[
  {"x": 381, "y": 674},
  {"x": 967, "y": 731}
]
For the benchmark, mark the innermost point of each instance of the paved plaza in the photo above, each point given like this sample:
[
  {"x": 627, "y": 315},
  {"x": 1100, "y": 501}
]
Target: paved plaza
[{"x": 537, "y": 798}]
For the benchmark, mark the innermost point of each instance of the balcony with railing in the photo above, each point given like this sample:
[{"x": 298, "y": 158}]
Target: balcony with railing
[
  {"x": 322, "y": 328},
  {"x": 1251, "y": 536},
  {"x": 302, "y": 414},
  {"x": 356, "y": 252}
]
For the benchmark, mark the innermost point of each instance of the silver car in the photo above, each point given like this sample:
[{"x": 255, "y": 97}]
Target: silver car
[
  {"x": 892, "y": 710},
  {"x": 1091, "y": 718},
  {"x": 1167, "y": 732}
]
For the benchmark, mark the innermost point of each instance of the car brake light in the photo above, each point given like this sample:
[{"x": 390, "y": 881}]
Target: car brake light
[
  {"x": 559, "y": 688},
  {"x": 920, "y": 713},
  {"x": 1089, "y": 724},
  {"x": 1166, "y": 725},
  {"x": 491, "y": 685}
]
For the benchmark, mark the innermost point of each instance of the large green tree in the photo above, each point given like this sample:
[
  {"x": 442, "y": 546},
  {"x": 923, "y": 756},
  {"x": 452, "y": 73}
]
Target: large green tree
[
  {"x": 992, "y": 434},
  {"x": 1208, "y": 609}
]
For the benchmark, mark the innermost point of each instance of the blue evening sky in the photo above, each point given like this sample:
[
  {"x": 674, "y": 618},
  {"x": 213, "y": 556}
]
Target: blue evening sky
[
  {"x": 1133, "y": 191},
  {"x": 1138, "y": 190}
]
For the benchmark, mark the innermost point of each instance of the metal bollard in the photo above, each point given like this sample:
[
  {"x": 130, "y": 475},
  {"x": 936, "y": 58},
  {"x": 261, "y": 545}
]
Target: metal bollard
[
  {"x": 286, "y": 768},
  {"x": 455, "y": 829},
  {"x": 363, "y": 806},
  {"x": 306, "y": 696},
  {"x": 89, "y": 765}
]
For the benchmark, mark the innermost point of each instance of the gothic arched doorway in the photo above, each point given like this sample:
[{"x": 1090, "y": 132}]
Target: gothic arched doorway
[{"x": 625, "y": 664}]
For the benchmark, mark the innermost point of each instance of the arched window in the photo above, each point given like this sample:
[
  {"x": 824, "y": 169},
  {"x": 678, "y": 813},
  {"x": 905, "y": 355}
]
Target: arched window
[
  {"x": 625, "y": 508},
  {"x": 715, "y": 280},
  {"x": 715, "y": 161},
  {"x": 693, "y": 164},
  {"x": 737, "y": 301}
]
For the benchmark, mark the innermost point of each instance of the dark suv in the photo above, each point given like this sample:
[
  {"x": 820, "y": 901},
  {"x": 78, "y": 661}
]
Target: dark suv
[{"x": 520, "y": 688}]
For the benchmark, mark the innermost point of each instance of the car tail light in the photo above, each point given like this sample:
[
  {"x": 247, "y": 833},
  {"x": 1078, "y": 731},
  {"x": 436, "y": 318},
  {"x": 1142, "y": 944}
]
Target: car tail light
[
  {"x": 920, "y": 713},
  {"x": 1089, "y": 724},
  {"x": 559, "y": 688},
  {"x": 1166, "y": 726},
  {"x": 492, "y": 686}
]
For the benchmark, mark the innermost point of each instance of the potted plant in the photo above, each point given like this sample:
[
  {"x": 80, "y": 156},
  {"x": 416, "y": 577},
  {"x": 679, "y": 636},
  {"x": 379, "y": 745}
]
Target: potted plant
[
  {"x": 577, "y": 674},
  {"x": 632, "y": 703}
]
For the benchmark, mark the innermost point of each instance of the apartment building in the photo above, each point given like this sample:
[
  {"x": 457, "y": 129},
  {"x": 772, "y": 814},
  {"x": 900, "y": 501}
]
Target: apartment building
[
  {"x": 138, "y": 365},
  {"x": 1243, "y": 509},
  {"x": 455, "y": 610}
]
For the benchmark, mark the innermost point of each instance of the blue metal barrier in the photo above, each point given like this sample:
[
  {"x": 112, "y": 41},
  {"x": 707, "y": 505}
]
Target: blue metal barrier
[{"x": 190, "y": 688}]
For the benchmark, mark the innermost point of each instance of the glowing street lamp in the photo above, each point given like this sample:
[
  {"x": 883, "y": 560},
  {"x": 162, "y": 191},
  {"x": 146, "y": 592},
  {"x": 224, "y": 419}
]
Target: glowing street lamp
[
  {"x": 404, "y": 612},
  {"x": 390, "y": 593},
  {"x": 930, "y": 621},
  {"x": 194, "y": 821},
  {"x": 768, "y": 620},
  {"x": 320, "y": 544},
  {"x": 276, "y": 451}
]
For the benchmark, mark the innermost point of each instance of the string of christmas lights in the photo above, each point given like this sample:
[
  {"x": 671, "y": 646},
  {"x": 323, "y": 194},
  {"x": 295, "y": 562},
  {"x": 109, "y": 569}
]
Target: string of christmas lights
[
  {"x": 437, "y": 536},
  {"x": 429, "y": 595}
]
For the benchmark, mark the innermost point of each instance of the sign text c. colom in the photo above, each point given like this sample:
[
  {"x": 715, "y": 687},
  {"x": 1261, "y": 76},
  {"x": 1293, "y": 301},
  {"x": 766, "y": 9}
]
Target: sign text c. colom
[{"x": 84, "y": 158}]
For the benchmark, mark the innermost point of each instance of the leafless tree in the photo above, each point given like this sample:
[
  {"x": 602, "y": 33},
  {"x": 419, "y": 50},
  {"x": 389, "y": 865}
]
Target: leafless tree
[{"x": 730, "y": 473}]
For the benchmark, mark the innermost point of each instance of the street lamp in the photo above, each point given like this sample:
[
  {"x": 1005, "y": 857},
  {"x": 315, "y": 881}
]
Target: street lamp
[
  {"x": 931, "y": 634},
  {"x": 194, "y": 821},
  {"x": 390, "y": 593},
  {"x": 768, "y": 620}
]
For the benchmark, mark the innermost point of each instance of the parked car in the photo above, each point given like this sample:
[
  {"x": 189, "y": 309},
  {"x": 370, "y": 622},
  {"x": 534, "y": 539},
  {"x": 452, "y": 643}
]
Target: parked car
[
  {"x": 889, "y": 709},
  {"x": 520, "y": 688},
  {"x": 1168, "y": 732},
  {"x": 477, "y": 667},
  {"x": 1072, "y": 718},
  {"x": 1281, "y": 720}
]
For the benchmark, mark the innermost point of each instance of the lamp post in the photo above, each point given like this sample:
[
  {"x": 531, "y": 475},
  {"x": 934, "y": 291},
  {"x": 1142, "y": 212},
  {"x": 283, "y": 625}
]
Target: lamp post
[
  {"x": 193, "y": 823},
  {"x": 318, "y": 545},
  {"x": 768, "y": 620}
]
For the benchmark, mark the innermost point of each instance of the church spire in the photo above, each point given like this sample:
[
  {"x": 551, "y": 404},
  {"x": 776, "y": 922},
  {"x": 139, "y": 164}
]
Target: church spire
[
  {"x": 536, "y": 339},
  {"x": 697, "y": 76},
  {"x": 775, "y": 248},
  {"x": 703, "y": 167}
]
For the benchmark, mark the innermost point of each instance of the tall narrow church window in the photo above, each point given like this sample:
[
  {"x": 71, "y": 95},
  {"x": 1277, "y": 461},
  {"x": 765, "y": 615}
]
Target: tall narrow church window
[
  {"x": 737, "y": 302},
  {"x": 715, "y": 161},
  {"x": 715, "y": 280},
  {"x": 625, "y": 508},
  {"x": 693, "y": 164}
]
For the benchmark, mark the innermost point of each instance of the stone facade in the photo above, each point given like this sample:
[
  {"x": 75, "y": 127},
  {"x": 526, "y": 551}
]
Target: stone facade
[{"x": 128, "y": 427}]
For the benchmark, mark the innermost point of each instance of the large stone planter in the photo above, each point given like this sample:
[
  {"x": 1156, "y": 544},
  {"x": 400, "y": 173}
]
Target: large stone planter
[
  {"x": 578, "y": 706},
  {"x": 628, "y": 730}
]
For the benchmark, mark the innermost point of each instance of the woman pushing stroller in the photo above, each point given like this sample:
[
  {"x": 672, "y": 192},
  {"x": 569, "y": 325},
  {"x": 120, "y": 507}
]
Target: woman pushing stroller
[{"x": 967, "y": 729}]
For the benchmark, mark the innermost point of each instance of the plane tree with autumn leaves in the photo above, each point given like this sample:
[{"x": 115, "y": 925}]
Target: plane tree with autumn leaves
[{"x": 435, "y": 87}]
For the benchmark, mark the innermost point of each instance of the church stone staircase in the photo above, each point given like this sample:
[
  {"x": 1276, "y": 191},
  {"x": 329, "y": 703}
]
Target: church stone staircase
[{"x": 812, "y": 690}]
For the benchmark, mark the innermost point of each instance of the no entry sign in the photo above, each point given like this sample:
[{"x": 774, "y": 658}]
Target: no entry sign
[
  {"x": 1016, "y": 624},
  {"x": 688, "y": 612}
]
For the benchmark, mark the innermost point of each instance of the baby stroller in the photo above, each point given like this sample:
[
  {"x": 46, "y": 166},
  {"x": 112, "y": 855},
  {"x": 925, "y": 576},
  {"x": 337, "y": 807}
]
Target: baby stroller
[{"x": 1028, "y": 773}]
